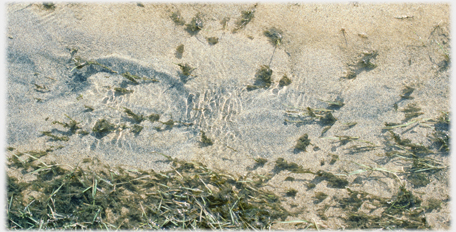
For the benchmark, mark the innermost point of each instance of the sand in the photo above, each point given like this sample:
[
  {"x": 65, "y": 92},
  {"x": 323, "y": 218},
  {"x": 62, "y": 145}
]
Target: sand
[{"x": 402, "y": 45}]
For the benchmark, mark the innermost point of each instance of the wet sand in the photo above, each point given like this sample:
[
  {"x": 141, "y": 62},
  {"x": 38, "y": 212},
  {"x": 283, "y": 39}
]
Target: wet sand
[{"x": 384, "y": 46}]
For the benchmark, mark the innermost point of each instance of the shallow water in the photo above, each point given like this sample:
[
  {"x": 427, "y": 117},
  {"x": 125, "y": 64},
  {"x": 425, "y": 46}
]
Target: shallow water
[{"x": 242, "y": 124}]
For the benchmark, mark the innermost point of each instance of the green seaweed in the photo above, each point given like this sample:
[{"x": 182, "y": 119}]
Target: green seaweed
[
  {"x": 103, "y": 127},
  {"x": 72, "y": 125},
  {"x": 263, "y": 78},
  {"x": 80, "y": 63},
  {"x": 122, "y": 91},
  {"x": 284, "y": 81},
  {"x": 246, "y": 17},
  {"x": 259, "y": 162},
  {"x": 291, "y": 193},
  {"x": 349, "y": 125},
  {"x": 212, "y": 40},
  {"x": 88, "y": 108},
  {"x": 302, "y": 143},
  {"x": 137, "y": 118},
  {"x": 320, "y": 196},
  {"x": 177, "y": 18},
  {"x": 412, "y": 147},
  {"x": 83, "y": 133},
  {"x": 334, "y": 159},
  {"x": 153, "y": 117},
  {"x": 186, "y": 69},
  {"x": 195, "y": 25},
  {"x": 333, "y": 180},
  {"x": 264, "y": 74},
  {"x": 433, "y": 204},
  {"x": 401, "y": 211},
  {"x": 136, "y": 129},
  {"x": 411, "y": 111},
  {"x": 442, "y": 140},
  {"x": 281, "y": 164},
  {"x": 289, "y": 178},
  {"x": 363, "y": 63},
  {"x": 41, "y": 88},
  {"x": 406, "y": 92},
  {"x": 310, "y": 186},
  {"x": 336, "y": 103},
  {"x": 366, "y": 60},
  {"x": 56, "y": 137},
  {"x": 49, "y": 5},
  {"x": 418, "y": 179},
  {"x": 131, "y": 77},
  {"x": 179, "y": 51},
  {"x": 328, "y": 119},
  {"x": 274, "y": 35},
  {"x": 205, "y": 140},
  {"x": 349, "y": 74},
  {"x": 169, "y": 124},
  {"x": 403, "y": 200},
  {"x": 324, "y": 116},
  {"x": 224, "y": 22},
  {"x": 252, "y": 87}
]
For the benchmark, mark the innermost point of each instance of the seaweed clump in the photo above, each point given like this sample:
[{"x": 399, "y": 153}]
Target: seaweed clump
[
  {"x": 212, "y": 40},
  {"x": 328, "y": 119},
  {"x": 49, "y": 5},
  {"x": 302, "y": 143},
  {"x": 72, "y": 125},
  {"x": 274, "y": 35},
  {"x": 153, "y": 117},
  {"x": 246, "y": 17},
  {"x": 259, "y": 162},
  {"x": 411, "y": 111},
  {"x": 320, "y": 196},
  {"x": 263, "y": 78},
  {"x": 281, "y": 164},
  {"x": 309, "y": 115},
  {"x": 102, "y": 127},
  {"x": 364, "y": 62},
  {"x": 291, "y": 193},
  {"x": 137, "y": 118},
  {"x": 285, "y": 81},
  {"x": 186, "y": 69},
  {"x": 441, "y": 136},
  {"x": 190, "y": 196},
  {"x": 179, "y": 51},
  {"x": 402, "y": 201},
  {"x": 136, "y": 129},
  {"x": 195, "y": 25},
  {"x": 406, "y": 92},
  {"x": 56, "y": 137},
  {"x": 334, "y": 159},
  {"x": 264, "y": 74},
  {"x": 131, "y": 77},
  {"x": 333, "y": 180},
  {"x": 177, "y": 18},
  {"x": 205, "y": 140},
  {"x": 122, "y": 91},
  {"x": 401, "y": 211},
  {"x": 80, "y": 63}
]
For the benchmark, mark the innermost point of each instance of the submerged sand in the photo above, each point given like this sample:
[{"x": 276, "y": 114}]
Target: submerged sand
[{"x": 400, "y": 45}]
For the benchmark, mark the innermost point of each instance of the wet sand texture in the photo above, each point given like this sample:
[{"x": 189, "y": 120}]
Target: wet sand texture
[{"x": 79, "y": 63}]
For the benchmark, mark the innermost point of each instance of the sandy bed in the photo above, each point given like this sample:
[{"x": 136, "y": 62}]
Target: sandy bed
[{"x": 404, "y": 43}]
